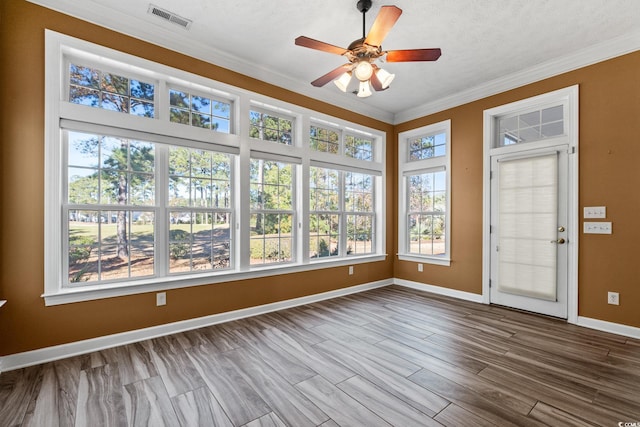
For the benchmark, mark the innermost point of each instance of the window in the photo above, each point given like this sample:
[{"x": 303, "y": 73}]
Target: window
[
  {"x": 332, "y": 210},
  {"x": 269, "y": 126},
  {"x": 112, "y": 208},
  {"x": 199, "y": 197},
  {"x": 359, "y": 212},
  {"x": 325, "y": 139},
  {"x": 110, "y": 91},
  {"x": 343, "y": 210},
  {"x": 272, "y": 212},
  {"x": 149, "y": 188},
  {"x": 424, "y": 205},
  {"x": 329, "y": 140},
  {"x": 111, "y": 230},
  {"x": 324, "y": 213},
  {"x": 427, "y": 147},
  {"x": 426, "y": 213},
  {"x": 199, "y": 111},
  {"x": 530, "y": 126},
  {"x": 358, "y": 147}
]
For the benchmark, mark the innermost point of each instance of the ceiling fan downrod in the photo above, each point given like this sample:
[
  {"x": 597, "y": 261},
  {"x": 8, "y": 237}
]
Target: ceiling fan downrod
[{"x": 364, "y": 6}]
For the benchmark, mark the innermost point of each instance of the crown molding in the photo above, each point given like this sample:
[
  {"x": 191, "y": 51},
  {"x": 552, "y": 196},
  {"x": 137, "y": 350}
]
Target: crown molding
[{"x": 591, "y": 55}]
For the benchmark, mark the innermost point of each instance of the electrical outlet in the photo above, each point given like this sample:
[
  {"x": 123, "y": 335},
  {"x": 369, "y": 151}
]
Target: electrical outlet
[
  {"x": 351, "y": 270},
  {"x": 161, "y": 298},
  {"x": 613, "y": 298},
  {"x": 420, "y": 268}
]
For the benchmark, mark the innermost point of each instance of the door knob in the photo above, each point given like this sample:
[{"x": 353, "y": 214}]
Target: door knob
[{"x": 560, "y": 241}]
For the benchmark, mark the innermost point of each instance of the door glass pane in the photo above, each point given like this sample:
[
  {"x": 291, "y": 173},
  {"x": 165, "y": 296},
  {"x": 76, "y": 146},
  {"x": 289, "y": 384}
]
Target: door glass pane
[{"x": 527, "y": 209}]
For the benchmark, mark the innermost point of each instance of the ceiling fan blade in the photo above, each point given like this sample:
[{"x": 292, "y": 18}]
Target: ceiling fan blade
[
  {"x": 318, "y": 45},
  {"x": 413, "y": 55},
  {"x": 382, "y": 25},
  {"x": 331, "y": 75}
]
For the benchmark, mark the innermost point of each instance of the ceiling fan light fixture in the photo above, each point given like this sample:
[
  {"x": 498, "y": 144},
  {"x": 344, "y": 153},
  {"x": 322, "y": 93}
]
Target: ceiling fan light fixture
[
  {"x": 385, "y": 77},
  {"x": 343, "y": 81},
  {"x": 363, "y": 70},
  {"x": 364, "y": 90}
]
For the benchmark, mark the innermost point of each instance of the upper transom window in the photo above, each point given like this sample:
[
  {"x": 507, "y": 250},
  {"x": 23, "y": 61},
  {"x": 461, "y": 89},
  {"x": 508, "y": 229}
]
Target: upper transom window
[
  {"x": 358, "y": 147},
  {"x": 324, "y": 139},
  {"x": 110, "y": 91},
  {"x": 531, "y": 126},
  {"x": 427, "y": 147},
  {"x": 268, "y": 126},
  {"x": 199, "y": 111}
]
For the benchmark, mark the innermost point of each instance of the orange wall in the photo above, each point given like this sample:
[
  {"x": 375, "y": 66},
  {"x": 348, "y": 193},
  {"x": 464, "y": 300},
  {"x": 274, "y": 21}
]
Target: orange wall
[
  {"x": 609, "y": 170},
  {"x": 25, "y": 323},
  {"x": 609, "y": 175}
]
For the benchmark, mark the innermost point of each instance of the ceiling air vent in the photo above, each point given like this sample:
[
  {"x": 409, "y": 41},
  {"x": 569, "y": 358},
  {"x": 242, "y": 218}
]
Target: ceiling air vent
[{"x": 169, "y": 16}]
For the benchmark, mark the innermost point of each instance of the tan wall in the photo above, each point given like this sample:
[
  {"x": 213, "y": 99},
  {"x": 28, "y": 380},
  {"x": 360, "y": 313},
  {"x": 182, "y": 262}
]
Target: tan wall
[
  {"x": 609, "y": 176},
  {"x": 25, "y": 323}
]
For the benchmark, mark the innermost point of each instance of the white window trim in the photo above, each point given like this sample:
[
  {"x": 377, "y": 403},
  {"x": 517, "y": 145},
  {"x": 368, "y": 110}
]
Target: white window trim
[
  {"x": 58, "y": 46},
  {"x": 406, "y": 167}
]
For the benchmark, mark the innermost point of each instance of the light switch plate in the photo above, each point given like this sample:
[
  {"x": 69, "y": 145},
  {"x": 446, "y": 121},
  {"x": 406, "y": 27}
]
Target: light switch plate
[
  {"x": 597, "y": 228},
  {"x": 595, "y": 212}
]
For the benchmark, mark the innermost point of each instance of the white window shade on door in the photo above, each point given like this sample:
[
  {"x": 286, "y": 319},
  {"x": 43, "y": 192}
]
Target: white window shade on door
[{"x": 528, "y": 210}]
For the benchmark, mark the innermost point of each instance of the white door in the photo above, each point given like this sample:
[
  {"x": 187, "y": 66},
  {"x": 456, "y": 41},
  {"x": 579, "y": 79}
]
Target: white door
[{"x": 529, "y": 230}]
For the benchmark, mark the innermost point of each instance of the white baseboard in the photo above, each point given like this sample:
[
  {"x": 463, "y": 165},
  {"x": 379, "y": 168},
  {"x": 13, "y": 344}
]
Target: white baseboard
[
  {"x": 467, "y": 296},
  {"x": 614, "y": 328},
  {"x": 48, "y": 354}
]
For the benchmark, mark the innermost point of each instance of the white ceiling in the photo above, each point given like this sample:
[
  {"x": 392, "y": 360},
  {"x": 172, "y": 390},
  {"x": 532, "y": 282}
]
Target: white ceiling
[{"x": 487, "y": 46}]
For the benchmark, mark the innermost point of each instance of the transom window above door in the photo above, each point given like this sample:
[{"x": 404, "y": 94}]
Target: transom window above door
[{"x": 531, "y": 126}]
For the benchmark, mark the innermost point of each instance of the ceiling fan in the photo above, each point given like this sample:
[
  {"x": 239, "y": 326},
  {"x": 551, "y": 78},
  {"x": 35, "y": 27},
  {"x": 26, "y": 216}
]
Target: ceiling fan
[{"x": 363, "y": 53}]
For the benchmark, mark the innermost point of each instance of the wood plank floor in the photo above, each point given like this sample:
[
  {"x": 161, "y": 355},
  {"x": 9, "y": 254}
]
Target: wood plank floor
[{"x": 390, "y": 356}]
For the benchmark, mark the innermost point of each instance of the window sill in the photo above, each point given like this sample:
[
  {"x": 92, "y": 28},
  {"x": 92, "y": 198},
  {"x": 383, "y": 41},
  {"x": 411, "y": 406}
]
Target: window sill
[
  {"x": 425, "y": 259},
  {"x": 88, "y": 293}
]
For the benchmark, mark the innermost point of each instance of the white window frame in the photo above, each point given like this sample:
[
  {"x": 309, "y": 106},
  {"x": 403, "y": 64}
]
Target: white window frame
[
  {"x": 60, "y": 114},
  {"x": 406, "y": 168}
]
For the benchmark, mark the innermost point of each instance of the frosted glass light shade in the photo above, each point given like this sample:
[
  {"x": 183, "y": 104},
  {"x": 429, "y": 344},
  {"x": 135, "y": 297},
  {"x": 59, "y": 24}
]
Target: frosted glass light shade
[
  {"x": 343, "y": 81},
  {"x": 363, "y": 71},
  {"x": 364, "y": 90},
  {"x": 385, "y": 77}
]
